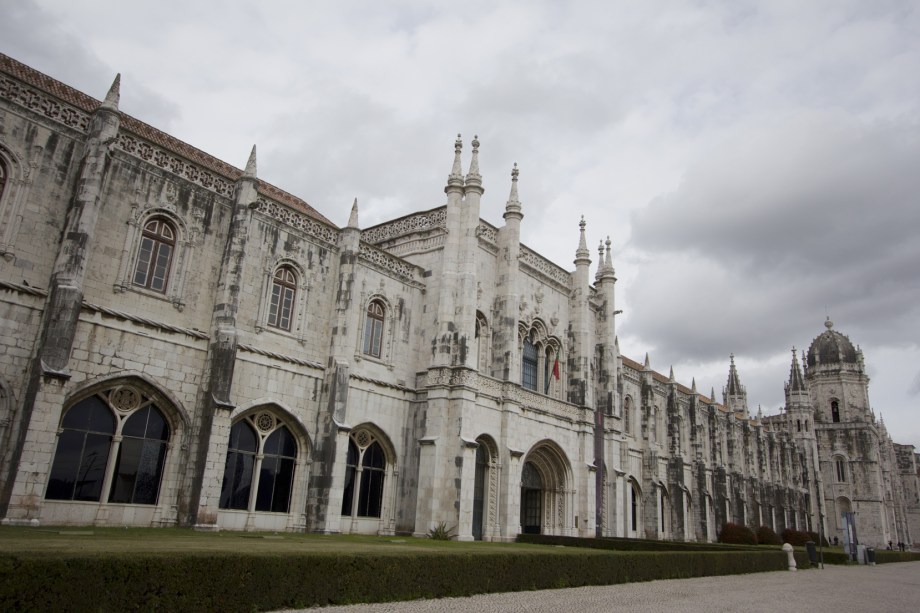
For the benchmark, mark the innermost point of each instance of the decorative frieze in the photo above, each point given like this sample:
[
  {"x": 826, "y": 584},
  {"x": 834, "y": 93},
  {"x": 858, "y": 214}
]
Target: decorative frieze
[
  {"x": 298, "y": 220},
  {"x": 419, "y": 222},
  {"x": 385, "y": 262},
  {"x": 43, "y": 104},
  {"x": 539, "y": 267}
]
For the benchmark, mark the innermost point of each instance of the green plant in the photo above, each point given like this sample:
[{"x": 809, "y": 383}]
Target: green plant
[
  {"x": 766, "y": 536},
  {"x": 440, "y": 532},
  {"x": 735, "y": 533}
]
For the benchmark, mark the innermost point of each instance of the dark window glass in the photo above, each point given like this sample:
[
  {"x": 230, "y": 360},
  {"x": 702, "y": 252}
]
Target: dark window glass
[
  {"x": 835, "y": 411},
  {"x": 82, "y": 452},
  {"x": 529, "y": 365},
  {"x": 276, "y": 477},
  {"x": 237, "y": 483},
  {"x": 634, "y": 506},
  {"x": 373, "y": 468},
  {"x": 154, "y": 256},
  {"x": 139, "y": 467},
  {"x": 284, "y": 289},
  {"x": 531, "y": 499},
  {"x": 373, "y": 329},
  {"x": 350, "y": 470}
]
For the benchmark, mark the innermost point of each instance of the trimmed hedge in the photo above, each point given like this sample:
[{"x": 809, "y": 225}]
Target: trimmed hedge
[
  {"x": 240, "y": 582},
  {"x": 624, "y": 544}
]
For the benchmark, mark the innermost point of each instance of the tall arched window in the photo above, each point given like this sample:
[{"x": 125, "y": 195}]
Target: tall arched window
[
  {"x": 140, "y": 460},
  {"x": 284, "y": 290},
  {"x": 365, "y": 473},
  {"x": 627, "y": 414},
  {"x": 373, "y": 329},
  {"x": 835, "y": 411},
  {"x": 480, "y": 357},
  {"x": 154, "y": 256},
  {"x": 633, "y": 507},
  {"x": 119, "y": 437},
  {"x": 259, "y": 470},
  {"x": 3, "y": 174},
  {"x": 529, "y": 364},
  {"x": 840, "y": 469}
]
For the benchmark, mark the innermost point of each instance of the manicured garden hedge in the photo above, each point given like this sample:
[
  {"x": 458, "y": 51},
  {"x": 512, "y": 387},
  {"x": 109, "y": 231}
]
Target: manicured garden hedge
[
  {"x": 240, "y": 582},
  {"x": 625, "y": 544}
]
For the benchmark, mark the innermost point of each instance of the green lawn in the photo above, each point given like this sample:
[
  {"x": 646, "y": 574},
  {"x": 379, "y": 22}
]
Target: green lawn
[{"x": 64, "y": 541}]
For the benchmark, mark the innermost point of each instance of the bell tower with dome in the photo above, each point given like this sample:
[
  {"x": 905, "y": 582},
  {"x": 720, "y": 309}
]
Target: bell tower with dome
[{"x": 848, "y": 438}]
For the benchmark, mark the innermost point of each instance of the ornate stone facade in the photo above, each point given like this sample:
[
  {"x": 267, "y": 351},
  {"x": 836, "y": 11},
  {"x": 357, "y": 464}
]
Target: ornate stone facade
[{"x": 185, "y": 344}]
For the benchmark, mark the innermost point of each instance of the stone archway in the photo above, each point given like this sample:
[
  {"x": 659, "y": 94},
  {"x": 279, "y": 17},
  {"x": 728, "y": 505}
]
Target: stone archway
[{"x": 546, "y": 497}]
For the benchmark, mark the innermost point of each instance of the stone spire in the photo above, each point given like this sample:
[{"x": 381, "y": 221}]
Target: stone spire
[
  {"x": 473, "y": 177},
  {"x": 250, "y": 172},
  {"x": 735, "y": 394},
  {"x": 353, "y": 218},
  {"x": 712, "y": 394},
  {"x": 671, "y": 378},
  {"x": 608, "y": 262},
  {"x": 513, "y": 206},
  {"x": 693, "y": 385},
  {"x": 455, "y": 179},
  {"x": 648, "y": 364},
  {"x": 796, "y": 380},
  {"x": 113, "y": 96},
  {"x": 582, "y": 255}
]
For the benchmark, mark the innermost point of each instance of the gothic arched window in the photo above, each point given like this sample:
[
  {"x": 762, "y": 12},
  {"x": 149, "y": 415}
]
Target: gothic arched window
[
  {"x": 284, "y": 290},
  {"x": 840, "y": 469},
  {"x": 365, "y": 473},
  {"x": 627, "y": 414},
  {"x": 2, "y": 178},
  {"x": 259, "y": 470},
  {"x": 529, "y": 364},
  {"x": 835, "y": 411},
  {"x": 154, "y": 256},
  {"x": 373, "y": 329},
  {"x": 119, "y": 437}
]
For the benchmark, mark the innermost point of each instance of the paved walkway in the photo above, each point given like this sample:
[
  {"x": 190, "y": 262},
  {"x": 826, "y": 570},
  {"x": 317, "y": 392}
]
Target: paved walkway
[{"x": 836, "y": 589}]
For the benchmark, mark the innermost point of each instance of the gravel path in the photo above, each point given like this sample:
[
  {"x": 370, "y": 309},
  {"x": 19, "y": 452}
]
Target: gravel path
[{"x": 889, "y": 587}]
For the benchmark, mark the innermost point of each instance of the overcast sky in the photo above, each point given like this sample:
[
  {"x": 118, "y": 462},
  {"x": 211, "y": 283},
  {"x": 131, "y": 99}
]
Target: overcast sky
[{"x": 756, "y": 164}]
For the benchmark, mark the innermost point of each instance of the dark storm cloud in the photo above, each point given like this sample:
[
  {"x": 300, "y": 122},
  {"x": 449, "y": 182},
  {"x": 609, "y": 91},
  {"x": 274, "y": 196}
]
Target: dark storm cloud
[
  {"x": 38, "y": 37},
  {"x": 805, "y": 213}
]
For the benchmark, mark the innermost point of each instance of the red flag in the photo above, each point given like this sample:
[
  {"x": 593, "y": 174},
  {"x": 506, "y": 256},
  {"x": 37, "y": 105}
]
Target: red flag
[{"x": 556, "y": 369}]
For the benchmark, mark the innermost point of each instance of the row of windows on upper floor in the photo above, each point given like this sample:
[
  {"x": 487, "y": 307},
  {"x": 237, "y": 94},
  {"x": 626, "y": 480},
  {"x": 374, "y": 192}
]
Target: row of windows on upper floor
[
  {"x": 155, "y": 259},
  {"x": 154, "y": 262}
]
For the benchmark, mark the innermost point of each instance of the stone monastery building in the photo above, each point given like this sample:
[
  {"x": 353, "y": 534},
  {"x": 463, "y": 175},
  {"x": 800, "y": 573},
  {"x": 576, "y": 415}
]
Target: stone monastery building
[{"x": 185, "y": 344}]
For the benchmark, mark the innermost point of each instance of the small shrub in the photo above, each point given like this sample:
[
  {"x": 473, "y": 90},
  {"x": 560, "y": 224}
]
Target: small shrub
[
  {"x": 813, "y": 537},
  {"x": 796, "y": 538},
  {"x": 440, "y": 532},
  {"x": 737, "y": 534},
  {"x": 766, "y": 536}
]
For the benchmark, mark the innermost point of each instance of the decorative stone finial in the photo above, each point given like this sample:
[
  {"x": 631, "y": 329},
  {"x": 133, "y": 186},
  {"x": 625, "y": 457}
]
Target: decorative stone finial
[
  {"x": 473, "y": 175},
  {"x": 353, "y": 218},
  {"x": 671, "y": 376},
  {"x": 828, "y": 323},
  {"x": 608, "y": 262},
  {"x": 113, "y": 96},
  {"x": 250, "y": 172},
  {"x": 693, "y": 385}
]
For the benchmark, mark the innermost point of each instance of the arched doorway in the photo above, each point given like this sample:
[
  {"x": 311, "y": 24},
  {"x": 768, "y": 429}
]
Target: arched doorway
[{"x": 546, "y": 501}]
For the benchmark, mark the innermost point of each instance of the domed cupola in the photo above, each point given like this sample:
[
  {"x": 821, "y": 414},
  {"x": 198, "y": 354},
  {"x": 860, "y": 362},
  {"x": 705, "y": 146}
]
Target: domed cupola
[{"x": 831, "y": 348}]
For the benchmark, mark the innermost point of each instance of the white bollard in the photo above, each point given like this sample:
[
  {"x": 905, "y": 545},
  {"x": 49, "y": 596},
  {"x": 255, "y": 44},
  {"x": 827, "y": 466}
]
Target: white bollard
[{"x": 788, "y": 549}]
